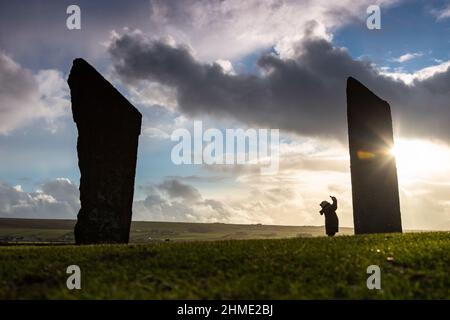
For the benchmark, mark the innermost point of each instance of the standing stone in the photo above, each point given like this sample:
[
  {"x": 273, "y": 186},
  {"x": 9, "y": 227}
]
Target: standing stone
[
  {"x": 108, "y": 131},
  {"x": 376, "y": 206}
]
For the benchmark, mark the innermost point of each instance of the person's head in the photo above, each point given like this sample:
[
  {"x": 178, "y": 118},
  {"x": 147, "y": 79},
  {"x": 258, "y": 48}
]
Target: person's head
[{"x": 323, "y": 204}]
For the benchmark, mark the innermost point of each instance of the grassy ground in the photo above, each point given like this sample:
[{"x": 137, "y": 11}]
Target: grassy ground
[{"x": 413, "y": 266}]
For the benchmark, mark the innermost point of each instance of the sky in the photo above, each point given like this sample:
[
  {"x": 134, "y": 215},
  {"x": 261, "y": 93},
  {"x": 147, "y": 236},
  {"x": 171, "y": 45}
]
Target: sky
[{"x": 230, "y": 64}]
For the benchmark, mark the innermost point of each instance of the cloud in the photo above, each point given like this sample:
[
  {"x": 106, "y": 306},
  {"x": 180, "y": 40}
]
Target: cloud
[
  {"x": 173, "y": 200},
  {"x": 176, "y": 189},
  {"x": 407, "y": 57},
  {"x": 17, "y": 93},
  {"x": 25, "y": 96},
  {"x": 305, "y": 94},
  {"x": 441, "y": 14},
  {"x": 312, "y": 169},
  {"x": 198, "y": 178},
  {"x": 289, "y": 198},
  {"x": 230, "y": 29},
  {"x": 185, "y": 203},
  {"x": 63, "y": 190},
  {"x": 419, "y": 75},
  {"x": 53, "y": 199},
  {"x": 41, "y": 38}
]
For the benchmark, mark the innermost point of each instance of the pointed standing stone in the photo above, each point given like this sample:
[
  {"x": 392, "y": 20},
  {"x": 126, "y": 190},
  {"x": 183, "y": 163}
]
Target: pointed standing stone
[
  {"x": 108, "y": 131},
  {"x": 376, "y": 206}
]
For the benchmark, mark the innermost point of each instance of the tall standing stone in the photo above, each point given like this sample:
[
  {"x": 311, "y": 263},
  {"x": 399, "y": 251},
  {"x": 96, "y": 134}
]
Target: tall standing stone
[
  {"x": 108, "y": 132},
  {"x": 376, "y": 206}
]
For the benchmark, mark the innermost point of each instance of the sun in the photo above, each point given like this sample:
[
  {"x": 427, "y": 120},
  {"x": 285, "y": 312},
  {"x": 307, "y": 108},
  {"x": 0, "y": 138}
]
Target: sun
[{"x": 419, "y": 158}]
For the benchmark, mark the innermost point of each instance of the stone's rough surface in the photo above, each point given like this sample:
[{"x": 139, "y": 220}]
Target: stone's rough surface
[
  {"x": 108, "y": 131},
  {"x": 376, "y": 206}
]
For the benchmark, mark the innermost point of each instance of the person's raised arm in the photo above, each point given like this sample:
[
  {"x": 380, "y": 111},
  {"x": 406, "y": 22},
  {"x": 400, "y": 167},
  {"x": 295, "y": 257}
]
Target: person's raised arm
[{"x": 334, "y": 205}]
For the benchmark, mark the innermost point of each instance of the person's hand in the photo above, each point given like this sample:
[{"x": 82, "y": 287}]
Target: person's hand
[{"x": 333, "y": 198}]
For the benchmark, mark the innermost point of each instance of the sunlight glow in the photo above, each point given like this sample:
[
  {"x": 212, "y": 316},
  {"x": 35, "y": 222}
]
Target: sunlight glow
[{"x": 420, "y": 159}]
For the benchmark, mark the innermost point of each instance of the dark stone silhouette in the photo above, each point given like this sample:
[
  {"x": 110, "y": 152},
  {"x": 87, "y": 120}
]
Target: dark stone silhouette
[
  {"x": 376, "y": 206},
  {"x": 108, "y": 132},
  {"x": 331, "y": 218}
]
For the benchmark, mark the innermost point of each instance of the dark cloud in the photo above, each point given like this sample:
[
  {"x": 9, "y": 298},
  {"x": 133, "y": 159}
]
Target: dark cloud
[
  {"x": 177, "y": 189},
  {"x": 35, "y": 31},
  {"x": 305, "y": 94},
  {"x": 158, "y": 208}
]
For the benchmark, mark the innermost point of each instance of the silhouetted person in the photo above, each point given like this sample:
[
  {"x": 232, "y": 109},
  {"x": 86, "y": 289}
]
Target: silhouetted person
[{"x": 331, "y": 219}]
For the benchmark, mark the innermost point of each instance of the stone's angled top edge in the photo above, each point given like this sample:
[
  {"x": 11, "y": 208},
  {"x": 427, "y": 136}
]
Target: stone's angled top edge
[
  {"x": 350, "y": 79},
  {"x": 78, "y": 61},
  {"x": 79, "y": 66},
  {"x": 352, "y": 83},
  {"x": 356, "y": 85}
]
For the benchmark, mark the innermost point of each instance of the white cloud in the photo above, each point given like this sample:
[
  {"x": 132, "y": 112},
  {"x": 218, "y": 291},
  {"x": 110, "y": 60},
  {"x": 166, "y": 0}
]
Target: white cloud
[
  {"x": 407, "y": 57},
  {"x": 155, "y": 133},
  {"x": 53, "y": 96},
  {"x": 53, "y": 199},
  {"x": 441, "y": 14},
  {"x": 420, "y": 75},
  {"x": 148, "y": 94},
  {"x": 226, "y": 66},
  {"x": 230, "y": 29},
  {"x": 25, "y": 96}
]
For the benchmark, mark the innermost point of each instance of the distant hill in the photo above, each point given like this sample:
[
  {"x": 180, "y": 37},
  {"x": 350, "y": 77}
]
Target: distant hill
[{"x": 56, "y": 230}]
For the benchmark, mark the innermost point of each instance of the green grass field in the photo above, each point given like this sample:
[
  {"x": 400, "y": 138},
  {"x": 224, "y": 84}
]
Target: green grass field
[{"x": 413, "y": 266}]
